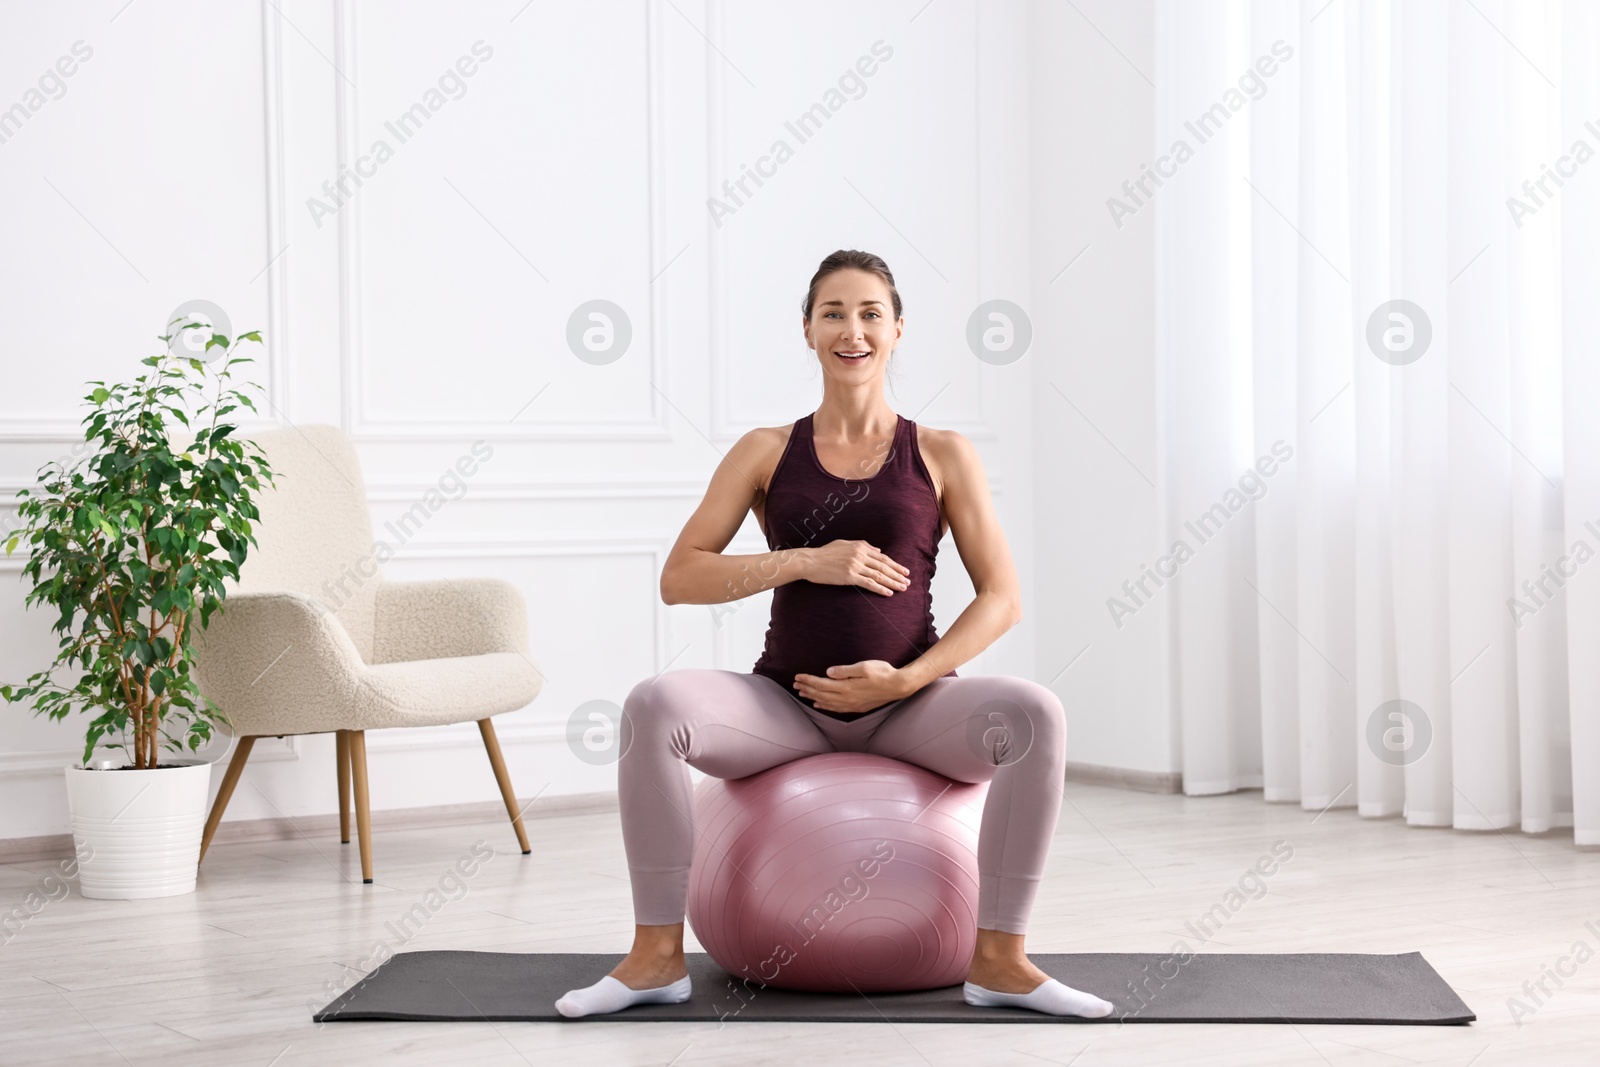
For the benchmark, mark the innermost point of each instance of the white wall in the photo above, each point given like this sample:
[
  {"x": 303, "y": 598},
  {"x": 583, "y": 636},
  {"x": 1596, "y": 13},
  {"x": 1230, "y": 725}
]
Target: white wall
[
  {"x": 1094, "y": 410},
  {"x": 430, "y": 310}
]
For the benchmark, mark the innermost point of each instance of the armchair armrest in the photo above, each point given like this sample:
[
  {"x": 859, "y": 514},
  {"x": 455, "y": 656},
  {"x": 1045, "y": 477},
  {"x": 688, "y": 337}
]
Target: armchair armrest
[
  {"x": 444, "y": 618},
  {"x": 275, "y": 662}
]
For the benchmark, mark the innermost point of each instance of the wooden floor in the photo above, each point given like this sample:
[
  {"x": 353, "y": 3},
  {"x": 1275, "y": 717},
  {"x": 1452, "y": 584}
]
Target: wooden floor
[{"x": 230, "y": 974}]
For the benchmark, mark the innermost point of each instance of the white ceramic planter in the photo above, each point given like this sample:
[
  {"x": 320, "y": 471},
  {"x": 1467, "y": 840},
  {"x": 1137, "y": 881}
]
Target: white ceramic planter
[{"x": 137, "y": 832}]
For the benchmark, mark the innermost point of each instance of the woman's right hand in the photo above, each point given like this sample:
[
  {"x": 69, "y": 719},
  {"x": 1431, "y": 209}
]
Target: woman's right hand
[{"x": 856, "y": 563}]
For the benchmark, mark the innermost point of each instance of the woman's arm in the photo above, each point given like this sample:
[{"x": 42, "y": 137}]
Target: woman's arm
[
  {"x": 696, "y": 571},
  {"x": 982, "y": 544},
  {"x": 859, "y": 687}
]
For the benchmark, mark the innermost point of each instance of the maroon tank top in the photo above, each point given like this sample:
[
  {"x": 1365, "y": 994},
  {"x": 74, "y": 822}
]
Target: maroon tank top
[{"x": 816, "y": 626}]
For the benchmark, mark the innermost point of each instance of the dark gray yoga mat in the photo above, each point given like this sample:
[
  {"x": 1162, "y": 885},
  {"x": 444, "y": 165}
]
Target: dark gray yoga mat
[{"x": 1295, "y": 987}]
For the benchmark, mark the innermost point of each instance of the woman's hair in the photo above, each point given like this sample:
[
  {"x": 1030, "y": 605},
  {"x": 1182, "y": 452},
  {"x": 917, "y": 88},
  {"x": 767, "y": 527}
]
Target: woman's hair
[{"x": 847, "y": 259}]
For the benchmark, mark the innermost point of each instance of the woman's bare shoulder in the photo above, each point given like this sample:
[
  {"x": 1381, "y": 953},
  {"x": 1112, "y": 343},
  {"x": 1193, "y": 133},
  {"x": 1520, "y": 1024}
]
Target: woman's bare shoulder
[
  {"x": 943, "y": 452},
  {"x": 771, "y": 436},
  {"x": 760, "y": 449},
  {"x": 950, "y": 446},
  {"x": 935, "y": 438}
]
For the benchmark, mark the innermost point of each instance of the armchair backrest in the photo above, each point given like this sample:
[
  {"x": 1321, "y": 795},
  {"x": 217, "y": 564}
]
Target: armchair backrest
[{"x": 314, "y": 536}]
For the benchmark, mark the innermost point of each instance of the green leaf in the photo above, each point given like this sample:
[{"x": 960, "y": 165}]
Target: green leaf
[{"x": 129, "y": 527}]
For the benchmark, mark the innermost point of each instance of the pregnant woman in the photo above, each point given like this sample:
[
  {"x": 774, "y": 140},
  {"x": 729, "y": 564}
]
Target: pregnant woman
[{"x": 853, "y": 500}]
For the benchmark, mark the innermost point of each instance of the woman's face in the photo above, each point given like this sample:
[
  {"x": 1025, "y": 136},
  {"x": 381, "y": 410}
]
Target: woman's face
[{"x": 853, "y": 313}]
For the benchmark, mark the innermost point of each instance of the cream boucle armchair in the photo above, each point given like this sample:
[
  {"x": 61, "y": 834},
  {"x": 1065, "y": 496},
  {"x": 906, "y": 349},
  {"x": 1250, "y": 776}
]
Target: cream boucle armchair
[{"x": 313, "y": 640}]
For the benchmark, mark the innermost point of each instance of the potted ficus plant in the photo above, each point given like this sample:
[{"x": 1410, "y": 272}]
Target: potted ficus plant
[{"x": 131, "y": 543}]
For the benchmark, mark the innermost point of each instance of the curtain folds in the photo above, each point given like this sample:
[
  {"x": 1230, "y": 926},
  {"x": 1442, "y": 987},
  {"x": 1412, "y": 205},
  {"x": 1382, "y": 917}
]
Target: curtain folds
[{"x": 1378, "y": 355}]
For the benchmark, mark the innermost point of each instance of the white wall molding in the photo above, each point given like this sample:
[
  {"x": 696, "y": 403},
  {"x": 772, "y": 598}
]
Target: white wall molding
[
  {"x": 1127, "y": 778},
  {"x": 667, "y": 488},
  {"x": 534, "y": 546},
  {"x": 676, "y": 487},
  {"x": 723, "y": 426},
  {"x": 466, "y": 735},
  {"x": 301, "y": 827},
  {"x": 275, "y": 270},
  {"x": 352, "y": 352},
  {"x": 67, "y": 429},
  {"x": 40, "y": 429},
  {"x": 54, "y": 760}
]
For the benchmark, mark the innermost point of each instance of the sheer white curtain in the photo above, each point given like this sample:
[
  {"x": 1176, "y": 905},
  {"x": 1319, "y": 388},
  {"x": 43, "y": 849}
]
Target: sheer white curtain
[{"x": 1399, "y": 608}]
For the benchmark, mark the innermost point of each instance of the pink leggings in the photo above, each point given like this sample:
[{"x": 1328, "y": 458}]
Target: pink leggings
[{"x": 1008, "y": 731}]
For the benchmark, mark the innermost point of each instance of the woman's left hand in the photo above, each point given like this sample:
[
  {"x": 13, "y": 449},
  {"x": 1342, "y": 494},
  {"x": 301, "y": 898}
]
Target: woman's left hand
[{"x": 853, "y": 688}]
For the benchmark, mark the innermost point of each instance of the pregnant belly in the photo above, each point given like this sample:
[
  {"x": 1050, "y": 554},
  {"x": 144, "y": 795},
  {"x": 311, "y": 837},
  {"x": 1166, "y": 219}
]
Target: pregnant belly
[{"x": 815, "y": 627}]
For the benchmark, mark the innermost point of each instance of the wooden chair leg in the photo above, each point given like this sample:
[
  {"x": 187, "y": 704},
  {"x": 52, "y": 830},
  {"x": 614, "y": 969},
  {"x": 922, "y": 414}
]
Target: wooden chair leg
[
  {"x": 230, "y": 779},
  {"x": 497, "y": 761},
  {"x": 358, "y": 769},
  {"x": 341, "y": 746}
]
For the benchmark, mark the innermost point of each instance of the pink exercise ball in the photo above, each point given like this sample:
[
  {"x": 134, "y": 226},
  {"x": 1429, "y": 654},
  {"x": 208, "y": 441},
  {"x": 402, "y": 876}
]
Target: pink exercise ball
[{"x": 838, "y": 872}]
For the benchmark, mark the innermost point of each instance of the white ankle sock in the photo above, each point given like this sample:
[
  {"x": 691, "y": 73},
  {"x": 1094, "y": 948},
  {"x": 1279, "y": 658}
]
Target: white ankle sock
[
  {"x": 1051, "y": 997},
  {"x": 611, "y": 994}
]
